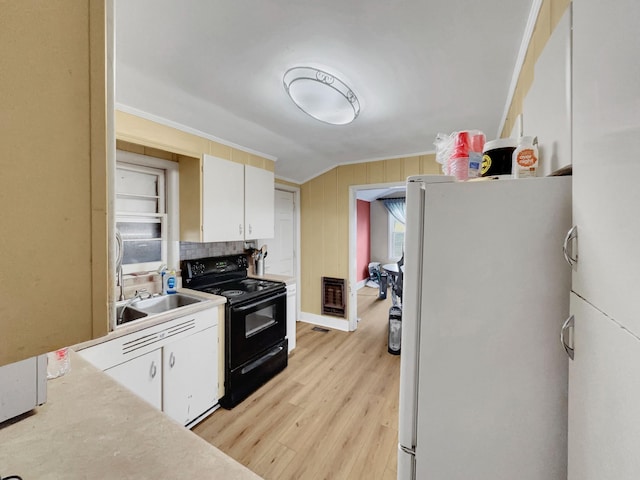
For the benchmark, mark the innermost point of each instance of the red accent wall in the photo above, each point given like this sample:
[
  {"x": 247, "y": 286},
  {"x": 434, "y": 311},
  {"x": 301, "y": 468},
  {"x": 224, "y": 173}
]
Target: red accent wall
[{"x": 363, "y": 240}]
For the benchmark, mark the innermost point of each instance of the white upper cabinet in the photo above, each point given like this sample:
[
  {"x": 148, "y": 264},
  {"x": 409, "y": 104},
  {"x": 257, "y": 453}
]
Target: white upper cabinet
[
  {"x": 606, "y": 137},
  {"x": 222, "y": 200},
  {"x": 259, "y": 203},
  {"x": 237, "y": 201}
]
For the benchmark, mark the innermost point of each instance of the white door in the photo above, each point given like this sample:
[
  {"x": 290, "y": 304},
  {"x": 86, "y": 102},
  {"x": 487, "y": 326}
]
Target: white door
[
  {"x": 258, "y": 203},
  {"x": 604, "y": 415},
  {"x": 606, "y": 135},
  {"x": 190, "y": 373},
  {"x": 142, "y": 375},
  {"x": 222, "y": 200},
  {"x": 281, "y": 257}
]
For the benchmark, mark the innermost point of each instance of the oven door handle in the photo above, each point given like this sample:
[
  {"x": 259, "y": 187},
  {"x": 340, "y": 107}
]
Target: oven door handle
[
  {"x": 265, "y": 358},
  {"x": 259, "y": 302}
]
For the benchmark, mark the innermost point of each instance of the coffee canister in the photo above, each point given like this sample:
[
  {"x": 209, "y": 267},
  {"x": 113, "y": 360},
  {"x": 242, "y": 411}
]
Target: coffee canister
[{"x": 497, "y": 157}]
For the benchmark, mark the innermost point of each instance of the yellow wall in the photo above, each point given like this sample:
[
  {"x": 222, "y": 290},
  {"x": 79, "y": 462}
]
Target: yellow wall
[
  {"x": 324, "y": 213},
  {"x": 550, "y": 14},
  {"x": 325, "y": 199},
  {"x": 53, "y": 158},
  {"x": 152, "y": 138},
  {"x": 287, "y": 183}
]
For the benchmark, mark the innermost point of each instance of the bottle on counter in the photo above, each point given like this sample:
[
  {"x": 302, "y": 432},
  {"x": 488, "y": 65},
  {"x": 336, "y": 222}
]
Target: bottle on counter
[
  {"x": 171, "y": 282},
  {"x": 525, "y": 158},
  {"x": 163, "y": 278}
]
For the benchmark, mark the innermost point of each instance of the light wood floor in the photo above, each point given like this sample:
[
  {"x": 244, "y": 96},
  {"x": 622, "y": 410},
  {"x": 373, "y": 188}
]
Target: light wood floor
[{"x": 331, "y": 414}]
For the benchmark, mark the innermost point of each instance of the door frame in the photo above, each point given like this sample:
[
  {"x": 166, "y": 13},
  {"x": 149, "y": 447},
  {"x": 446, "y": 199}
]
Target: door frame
[
  {"x": 353, "y": 259},
  {"x": 296, "y": 241}
]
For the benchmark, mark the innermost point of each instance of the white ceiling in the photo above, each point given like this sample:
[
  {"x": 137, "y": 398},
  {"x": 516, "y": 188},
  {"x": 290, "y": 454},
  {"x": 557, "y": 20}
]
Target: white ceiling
[{"x": 418, "y": 67}]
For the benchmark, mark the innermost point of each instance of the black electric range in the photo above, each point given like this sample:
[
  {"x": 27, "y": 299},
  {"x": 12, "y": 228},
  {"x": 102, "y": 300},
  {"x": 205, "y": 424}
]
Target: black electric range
[
  {"x": 256, "y": 347},
  {"x": 227, "y": 276}
]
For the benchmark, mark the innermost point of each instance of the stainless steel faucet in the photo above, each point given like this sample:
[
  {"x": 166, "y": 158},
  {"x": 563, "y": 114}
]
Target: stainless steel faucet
[
  {"x": 119, "y": 253},
  {"x": 142, "y": 294}
]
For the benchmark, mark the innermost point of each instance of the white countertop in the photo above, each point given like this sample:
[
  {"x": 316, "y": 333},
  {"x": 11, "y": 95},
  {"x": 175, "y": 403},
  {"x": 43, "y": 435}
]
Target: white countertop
[
  {"x": 276, "y": 278},
  {"x": 92, "y": 428}
]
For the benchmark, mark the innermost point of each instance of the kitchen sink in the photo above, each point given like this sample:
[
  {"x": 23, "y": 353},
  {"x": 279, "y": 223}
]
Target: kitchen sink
[
  {"x": 164, "y": 303},
  {"x": 125, "y": 314}
]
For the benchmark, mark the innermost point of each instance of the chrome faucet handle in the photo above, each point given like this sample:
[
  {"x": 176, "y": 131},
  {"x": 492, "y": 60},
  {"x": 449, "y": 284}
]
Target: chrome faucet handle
[{"x": 143, "y": 291}]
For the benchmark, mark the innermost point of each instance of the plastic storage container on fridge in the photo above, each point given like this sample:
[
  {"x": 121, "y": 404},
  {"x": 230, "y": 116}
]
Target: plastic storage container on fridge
[{"x": 497, "y": 157}]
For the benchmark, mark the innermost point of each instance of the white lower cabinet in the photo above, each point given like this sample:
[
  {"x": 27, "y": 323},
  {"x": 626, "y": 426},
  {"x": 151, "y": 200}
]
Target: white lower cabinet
[
  {"x": 142, "y": 375},
  {"x": 291, "y": 316},
  {"x": 603, "y": 398},
  {"x": 173, "y": 366},
  {"x": 190, "y": 375}
]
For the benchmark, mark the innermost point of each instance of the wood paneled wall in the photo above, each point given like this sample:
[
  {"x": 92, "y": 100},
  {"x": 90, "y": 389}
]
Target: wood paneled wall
[
  {"x": 325, "y": 199},
  {"x": 550, "y": 14},
  {"x": 152, "y": 138},
  {"x": 324, "y": 213},
  {"x": 54, "y": 161}
]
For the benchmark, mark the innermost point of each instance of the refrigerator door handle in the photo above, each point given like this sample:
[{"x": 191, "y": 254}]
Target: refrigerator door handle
[
  {"x": 572, "y": 235},
  {"x": 568, "y": 323},
  {"x": 407, "y": 450}
]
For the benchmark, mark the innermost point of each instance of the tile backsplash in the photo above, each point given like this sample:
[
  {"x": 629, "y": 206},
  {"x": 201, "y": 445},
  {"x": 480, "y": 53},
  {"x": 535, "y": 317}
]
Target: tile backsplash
[
  {"x": 152, "y": 282},
  {"x": 191, "y": 250}
]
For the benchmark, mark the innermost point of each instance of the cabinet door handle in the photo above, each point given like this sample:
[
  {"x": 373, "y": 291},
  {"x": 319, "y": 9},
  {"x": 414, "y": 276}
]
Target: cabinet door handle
[
  {"x": 250, "y": 229},
  {"x": 568, "y": 323},
  {"x": 153, "y": 370},
  {"x": 240, "y": 229},
  {"x": 172, "y": 360},
  {"x": 572, "y": 235}
]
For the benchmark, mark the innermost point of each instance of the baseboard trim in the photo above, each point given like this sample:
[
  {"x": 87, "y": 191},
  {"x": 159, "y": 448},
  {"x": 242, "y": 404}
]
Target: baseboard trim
[
  {"x": 361, "y": 284},
  {"x": 324, "y": 321}
]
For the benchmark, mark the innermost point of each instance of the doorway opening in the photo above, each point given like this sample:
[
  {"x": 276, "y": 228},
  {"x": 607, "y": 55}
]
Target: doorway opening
[{"x": 381, "y": 239}]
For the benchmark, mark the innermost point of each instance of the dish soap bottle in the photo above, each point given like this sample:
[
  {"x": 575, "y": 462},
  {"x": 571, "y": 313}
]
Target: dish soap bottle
[
  {"x": 525, "y": 158},
  {"x": 163, "y": 278},
  {"x": 171, "y": 282}
]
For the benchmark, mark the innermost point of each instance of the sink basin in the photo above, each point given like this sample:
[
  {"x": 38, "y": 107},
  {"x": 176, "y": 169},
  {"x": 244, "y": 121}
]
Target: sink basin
[
  {"x": 128, "y": 315},
  {"x": 164, "y": 303}
]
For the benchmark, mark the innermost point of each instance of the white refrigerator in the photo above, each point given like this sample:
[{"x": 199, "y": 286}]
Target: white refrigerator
[{"x": 483, "y": 383}]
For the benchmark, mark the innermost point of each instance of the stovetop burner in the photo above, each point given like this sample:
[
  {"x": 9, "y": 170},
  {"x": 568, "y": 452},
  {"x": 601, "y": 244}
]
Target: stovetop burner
[{"x": 232, "y": 293}]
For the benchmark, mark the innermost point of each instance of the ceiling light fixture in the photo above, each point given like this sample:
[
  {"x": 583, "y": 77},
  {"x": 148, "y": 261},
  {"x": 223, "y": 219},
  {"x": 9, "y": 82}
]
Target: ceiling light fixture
[{"x": 321, "y": 95}]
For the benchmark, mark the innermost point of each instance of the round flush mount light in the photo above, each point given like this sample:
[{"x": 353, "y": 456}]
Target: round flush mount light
[{"x": 321, "y": 95}]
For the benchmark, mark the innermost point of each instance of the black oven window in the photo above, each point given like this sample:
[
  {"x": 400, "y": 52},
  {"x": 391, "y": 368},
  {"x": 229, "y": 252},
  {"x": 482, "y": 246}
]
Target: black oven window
[{"x": 260, "y": 320}]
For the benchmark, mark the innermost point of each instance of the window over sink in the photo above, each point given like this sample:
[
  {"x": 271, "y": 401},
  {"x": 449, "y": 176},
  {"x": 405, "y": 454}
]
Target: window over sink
[{"x": 145, "y": 192}]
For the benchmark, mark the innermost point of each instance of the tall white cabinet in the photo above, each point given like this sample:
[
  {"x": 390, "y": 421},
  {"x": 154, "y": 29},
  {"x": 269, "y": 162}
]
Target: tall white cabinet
[
  {"x": 604, "y": 393},
  {"x": 222, "y": 200},
  {"x": 259, "y": 203},
  {"x": 604, "y": 405}
]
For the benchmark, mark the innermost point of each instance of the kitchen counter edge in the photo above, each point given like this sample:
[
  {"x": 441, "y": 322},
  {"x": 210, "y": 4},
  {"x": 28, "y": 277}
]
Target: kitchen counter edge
[
  {"x": 135, "y": 326},
  {"x": 91, "y": 425}
]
